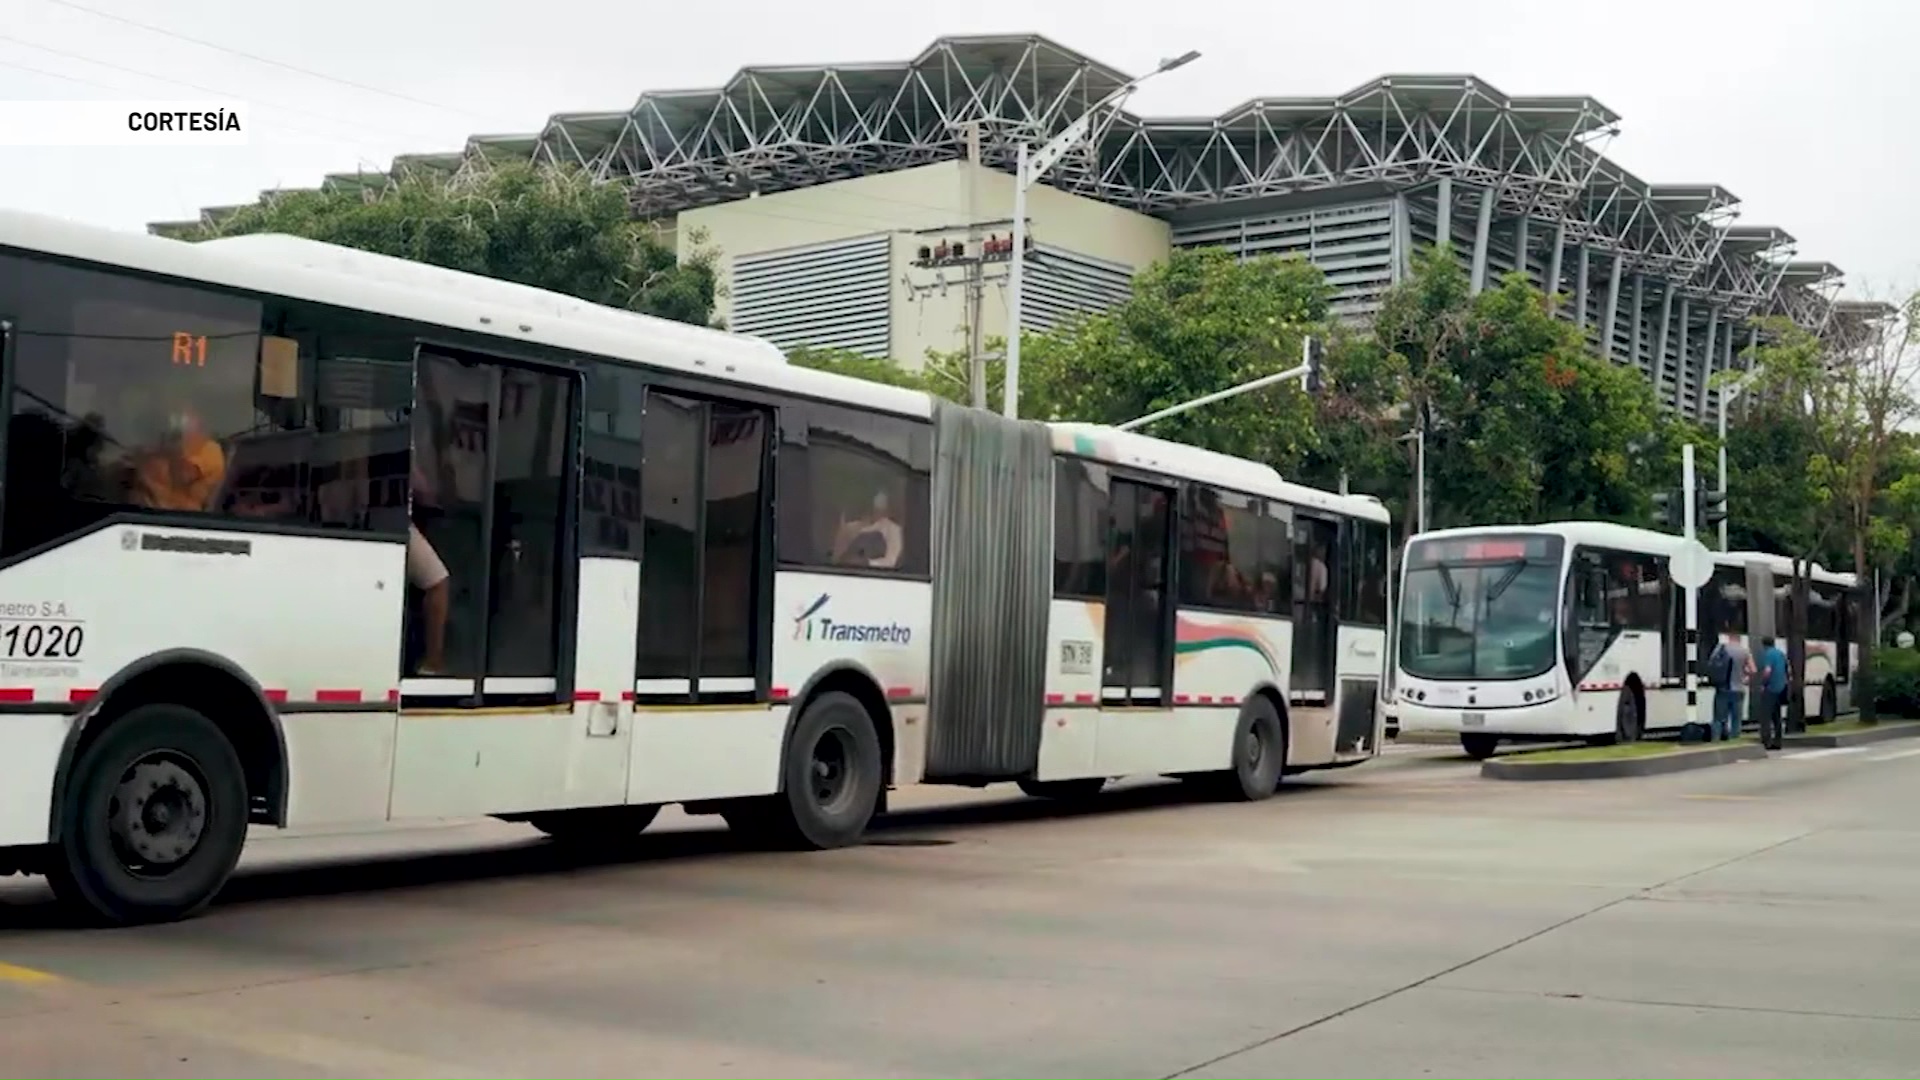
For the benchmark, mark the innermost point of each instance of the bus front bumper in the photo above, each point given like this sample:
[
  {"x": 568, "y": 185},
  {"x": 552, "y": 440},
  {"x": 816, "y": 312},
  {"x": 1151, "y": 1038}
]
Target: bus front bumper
[{"x": 1557, "y": 718}]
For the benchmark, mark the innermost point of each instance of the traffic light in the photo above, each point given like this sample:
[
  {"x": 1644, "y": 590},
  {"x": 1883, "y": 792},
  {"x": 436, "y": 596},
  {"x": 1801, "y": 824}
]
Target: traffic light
[
  {"x": 1313, "y": 383},
  {"x": 1713, "y": 507},
  {"x": 1666, "y": 509}
]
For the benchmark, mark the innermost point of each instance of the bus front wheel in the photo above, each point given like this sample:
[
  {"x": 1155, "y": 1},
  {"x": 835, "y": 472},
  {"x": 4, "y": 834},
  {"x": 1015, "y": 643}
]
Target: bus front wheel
[
  {"x": 153, "y": 818},
  {"x": 1627, "y": 724},
  {"x": 1478, "y": 744}
]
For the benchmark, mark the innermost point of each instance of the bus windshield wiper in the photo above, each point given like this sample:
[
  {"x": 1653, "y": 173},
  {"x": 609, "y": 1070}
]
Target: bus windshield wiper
[
  {"x": 1506, "y": 579},
  {"x": 1452, "y": 587}
]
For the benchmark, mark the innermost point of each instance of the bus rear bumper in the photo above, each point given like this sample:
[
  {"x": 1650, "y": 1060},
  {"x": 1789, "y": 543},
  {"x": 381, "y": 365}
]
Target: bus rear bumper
[
  {"x": 29, "y": 753},
  {"x": 1555, "y": 719}
]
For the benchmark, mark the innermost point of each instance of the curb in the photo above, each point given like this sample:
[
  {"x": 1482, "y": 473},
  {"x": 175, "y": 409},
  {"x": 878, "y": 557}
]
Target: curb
[
  {"x": 1882, "y": 732},
  {"x": 1679, "y": 761}
]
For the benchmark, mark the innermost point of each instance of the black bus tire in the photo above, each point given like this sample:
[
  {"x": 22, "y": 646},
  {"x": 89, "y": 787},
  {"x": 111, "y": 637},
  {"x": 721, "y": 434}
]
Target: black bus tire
[
  {"x": 153, "y": 820},
  {"x": 832, "y": 777}
]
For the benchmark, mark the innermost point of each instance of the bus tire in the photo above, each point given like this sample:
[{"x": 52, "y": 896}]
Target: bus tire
[
  {"x": 832, "y": 777},
  {"x": 1478, "y": 744},
  {"x": 594, "y": 824},
  {"x": 1628, "y": 724},
  {"x": 153, "y": 820},
  {"x": 1074, "y": 790},
  {"x": 1259, "y": 753}
]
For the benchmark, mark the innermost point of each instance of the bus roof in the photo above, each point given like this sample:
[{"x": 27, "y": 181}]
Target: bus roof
[
  {"x": 1110, "y": 444},
  {"x": 309, "y": 270},
  {"x": 1645, "y": 541}
]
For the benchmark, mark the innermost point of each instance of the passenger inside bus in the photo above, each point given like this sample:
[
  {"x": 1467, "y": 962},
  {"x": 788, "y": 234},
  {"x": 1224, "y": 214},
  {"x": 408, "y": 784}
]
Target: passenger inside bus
[
  {"x": 185, "y": 470},
  {"x": 428, "y": 573},
  {"x": 873, "y": 539}
]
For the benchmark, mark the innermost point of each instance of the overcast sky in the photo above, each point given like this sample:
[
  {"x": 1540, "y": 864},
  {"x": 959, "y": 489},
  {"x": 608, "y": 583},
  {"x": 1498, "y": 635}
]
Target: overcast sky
[{"x": 1804, "y": 110}]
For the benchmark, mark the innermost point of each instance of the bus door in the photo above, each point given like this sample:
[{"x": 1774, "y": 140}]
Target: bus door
[
  {"x": 490, "y": 584},
  {"x": 1137, "y": 668},
  {"x": 1316, "y": 566}
]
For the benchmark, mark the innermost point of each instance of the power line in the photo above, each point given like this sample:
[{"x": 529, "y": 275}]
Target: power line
[{"x": 258, "y": 59}]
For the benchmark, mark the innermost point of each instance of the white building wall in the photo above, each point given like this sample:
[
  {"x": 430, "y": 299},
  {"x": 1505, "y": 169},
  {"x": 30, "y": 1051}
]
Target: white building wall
[{"x": 899, "y": 203}]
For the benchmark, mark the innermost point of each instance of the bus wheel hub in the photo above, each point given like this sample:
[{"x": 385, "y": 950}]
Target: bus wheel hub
[{"x": 159, "y": 813}]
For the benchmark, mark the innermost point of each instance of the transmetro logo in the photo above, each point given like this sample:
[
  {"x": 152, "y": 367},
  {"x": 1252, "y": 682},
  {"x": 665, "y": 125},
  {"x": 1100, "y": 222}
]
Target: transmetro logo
[
  {"x": 803, "y": 619},
  {"x": 810, "y": 625}
]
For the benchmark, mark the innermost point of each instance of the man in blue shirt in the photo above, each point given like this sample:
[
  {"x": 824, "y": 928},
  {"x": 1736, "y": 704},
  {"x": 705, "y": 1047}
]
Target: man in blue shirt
[{"x": 1771, "y": 668}]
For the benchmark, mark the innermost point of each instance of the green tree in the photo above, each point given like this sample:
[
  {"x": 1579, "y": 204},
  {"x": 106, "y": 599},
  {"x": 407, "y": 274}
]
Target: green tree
[
  {"x": 1198, "y": 322},
  {"x": 855, "y": 365},
  {"x": 549, "y": 228},
  {"x": 1848, "y": 402},
  {"x": 1522, "y": 422}
]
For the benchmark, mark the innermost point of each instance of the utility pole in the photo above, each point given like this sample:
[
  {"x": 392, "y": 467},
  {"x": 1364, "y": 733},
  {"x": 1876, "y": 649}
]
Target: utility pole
[
  {"x": 972, "y": 258},
  {"x": 976, "y": 279}
]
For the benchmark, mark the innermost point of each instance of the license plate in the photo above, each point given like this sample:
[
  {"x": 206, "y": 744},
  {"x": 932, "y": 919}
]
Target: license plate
[{"x": 1473, "y": 719}]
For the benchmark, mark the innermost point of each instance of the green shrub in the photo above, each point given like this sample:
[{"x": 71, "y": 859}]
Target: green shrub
[{"x": 1896, "y": 682}]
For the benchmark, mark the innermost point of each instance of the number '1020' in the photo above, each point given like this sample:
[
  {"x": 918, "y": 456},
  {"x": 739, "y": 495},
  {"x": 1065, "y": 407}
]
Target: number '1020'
[{"x": 42, "y": 640}]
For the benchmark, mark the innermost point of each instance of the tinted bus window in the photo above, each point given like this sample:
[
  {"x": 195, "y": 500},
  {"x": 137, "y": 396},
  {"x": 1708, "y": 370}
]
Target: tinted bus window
[{"x": 127, "y": 396}]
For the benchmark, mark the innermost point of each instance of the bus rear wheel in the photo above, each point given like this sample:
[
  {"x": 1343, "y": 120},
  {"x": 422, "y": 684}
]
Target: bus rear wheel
[
  {"x": 1259, "y": 754},
  {"x": 831, "y": 780},
  {"x": 153, "y": 819}
]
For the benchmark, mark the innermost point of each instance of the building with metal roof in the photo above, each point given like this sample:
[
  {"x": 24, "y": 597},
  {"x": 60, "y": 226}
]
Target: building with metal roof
[{"x": 818, "y": 185}]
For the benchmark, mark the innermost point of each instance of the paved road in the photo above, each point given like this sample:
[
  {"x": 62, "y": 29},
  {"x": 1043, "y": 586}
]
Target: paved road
[{"x": 1404, "y": 919}]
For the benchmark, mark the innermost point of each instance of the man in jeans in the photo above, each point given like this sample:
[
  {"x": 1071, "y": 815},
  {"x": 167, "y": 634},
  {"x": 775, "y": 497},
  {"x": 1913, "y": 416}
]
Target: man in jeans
[
  {"x": 1730, "y": 669},
  {"x": 1772, "y": 680}
]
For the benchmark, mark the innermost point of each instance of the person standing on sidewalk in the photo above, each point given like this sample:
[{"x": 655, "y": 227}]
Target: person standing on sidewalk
[
  {"x": 1729, "y": 670},
  {"x": 1772, "y": 680}
]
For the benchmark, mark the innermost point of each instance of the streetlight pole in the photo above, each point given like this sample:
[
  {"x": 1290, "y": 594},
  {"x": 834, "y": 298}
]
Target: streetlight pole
[
  {"x": 1418, "y": 436},
  {"x": 1028, "y": 169}
]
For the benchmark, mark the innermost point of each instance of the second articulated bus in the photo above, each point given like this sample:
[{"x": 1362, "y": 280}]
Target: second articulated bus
[{"x": 1576, "y": 630}]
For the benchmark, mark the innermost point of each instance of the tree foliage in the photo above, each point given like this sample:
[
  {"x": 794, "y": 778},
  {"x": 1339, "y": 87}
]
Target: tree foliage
[
  {"x": 548, "y": 228},
  {"x": 1522, "y": 422},
  {"x": 1199, "y": 322}
]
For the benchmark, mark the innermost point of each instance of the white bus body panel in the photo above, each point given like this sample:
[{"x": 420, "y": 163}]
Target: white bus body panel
[
  {"x": 1219, "y": 661},
  {"x": 308, "y": 619}
]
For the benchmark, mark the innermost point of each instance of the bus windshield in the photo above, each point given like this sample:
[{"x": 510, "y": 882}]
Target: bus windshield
[{"x": 1480, "y": 608}]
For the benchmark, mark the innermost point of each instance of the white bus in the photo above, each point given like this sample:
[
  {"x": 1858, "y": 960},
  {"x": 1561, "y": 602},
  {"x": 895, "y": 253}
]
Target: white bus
[
  {"x": 299, "y": 536},
  {"x": 1575, "y": 631}
]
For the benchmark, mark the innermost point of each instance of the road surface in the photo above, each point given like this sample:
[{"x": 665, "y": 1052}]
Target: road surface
[{"x": 1403, "y": 919}]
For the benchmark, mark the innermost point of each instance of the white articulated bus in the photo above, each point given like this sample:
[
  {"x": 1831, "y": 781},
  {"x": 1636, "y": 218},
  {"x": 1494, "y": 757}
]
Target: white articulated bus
[
  {"x": 295, "y": 536},
  {"x": 1575, "y": 630}
]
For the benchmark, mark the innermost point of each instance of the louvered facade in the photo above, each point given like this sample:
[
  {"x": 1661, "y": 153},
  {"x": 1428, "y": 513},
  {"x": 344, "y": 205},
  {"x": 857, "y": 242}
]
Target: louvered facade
[{"x": 823, "y": 296}]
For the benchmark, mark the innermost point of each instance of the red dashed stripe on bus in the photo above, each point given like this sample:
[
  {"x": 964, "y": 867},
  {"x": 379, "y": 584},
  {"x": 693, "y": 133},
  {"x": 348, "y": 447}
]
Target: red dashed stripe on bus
[
  {"x": 1600, "y": 686},
  {"x": 586, "y": 695},
  {"x": 897, "y": 692},
  {"x": 779, "y": 693},
  {"x": 336, "y": 697}
]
